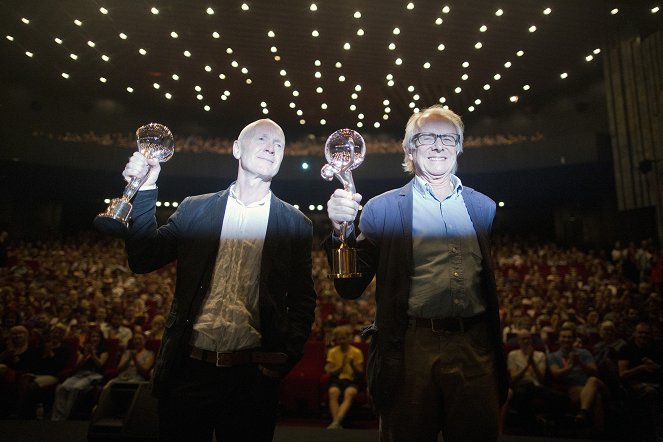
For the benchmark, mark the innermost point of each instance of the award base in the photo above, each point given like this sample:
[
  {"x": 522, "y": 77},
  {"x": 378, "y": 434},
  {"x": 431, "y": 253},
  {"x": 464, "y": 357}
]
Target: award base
[
  {"x": 344, "y": 263},
  {"x": 114, "y": 221}
]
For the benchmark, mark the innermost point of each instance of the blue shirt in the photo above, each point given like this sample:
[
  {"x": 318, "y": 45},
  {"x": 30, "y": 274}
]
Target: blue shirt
[
  {"x": 447, "y": 258},
  {"x": 577, "y": 375}
]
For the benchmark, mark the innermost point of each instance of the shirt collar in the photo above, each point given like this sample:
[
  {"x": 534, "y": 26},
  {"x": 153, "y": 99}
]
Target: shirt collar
[
  {"x": 424, "y": 188},
  {"x": 262, "y": 202}
]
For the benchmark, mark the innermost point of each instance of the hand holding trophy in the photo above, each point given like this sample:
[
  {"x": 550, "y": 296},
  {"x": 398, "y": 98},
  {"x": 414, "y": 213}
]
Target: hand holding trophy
[
  {"x": 154, "y": 141},
  {"x": 345, "y": 150}
]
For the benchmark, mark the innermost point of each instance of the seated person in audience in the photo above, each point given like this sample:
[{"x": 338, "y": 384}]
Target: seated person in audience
[
  {"x": 116, "y": 330},
  {"x": 158, "y": 328},
  {"x": 345, "y": 365},
  {"x": 136, "y": 363},
  {"x": 43, "y": 366},
  {"x": 641, "y": 368},
  {"x": 13, "y": 360},
  {"x": 527, "y": 369},
  {"x": 574, "y": 371},
  {"x": 90, "y": 364},
  {"x": 605, "y": 353}
]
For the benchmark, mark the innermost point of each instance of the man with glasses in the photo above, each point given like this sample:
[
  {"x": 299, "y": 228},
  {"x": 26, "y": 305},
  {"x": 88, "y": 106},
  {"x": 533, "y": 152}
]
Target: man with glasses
[{"x": 435, "y": 361}]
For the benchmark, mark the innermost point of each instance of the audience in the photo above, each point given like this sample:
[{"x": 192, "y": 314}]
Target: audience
[{"x": 57, "y": 288}]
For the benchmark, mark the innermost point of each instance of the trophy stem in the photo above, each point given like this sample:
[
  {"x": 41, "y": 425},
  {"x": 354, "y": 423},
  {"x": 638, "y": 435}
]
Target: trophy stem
[{"x": 134, "y": 185}]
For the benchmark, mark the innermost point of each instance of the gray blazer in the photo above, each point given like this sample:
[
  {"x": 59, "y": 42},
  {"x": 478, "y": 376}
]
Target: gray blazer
[{"x": 384, "y": 249}]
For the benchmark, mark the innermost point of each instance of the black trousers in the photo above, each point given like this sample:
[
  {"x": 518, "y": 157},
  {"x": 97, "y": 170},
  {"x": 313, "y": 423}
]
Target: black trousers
[{"x": 234, "y": 403}]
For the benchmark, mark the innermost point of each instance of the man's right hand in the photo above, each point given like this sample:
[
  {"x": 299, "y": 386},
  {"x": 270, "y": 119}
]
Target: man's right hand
[
  {"x": 138, "y": 166},
  {"x": 342, "y": 207}
]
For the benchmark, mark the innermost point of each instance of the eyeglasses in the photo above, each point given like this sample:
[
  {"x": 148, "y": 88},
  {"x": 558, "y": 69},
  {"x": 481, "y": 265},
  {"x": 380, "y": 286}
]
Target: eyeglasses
[{"x": 428, "y": 139}]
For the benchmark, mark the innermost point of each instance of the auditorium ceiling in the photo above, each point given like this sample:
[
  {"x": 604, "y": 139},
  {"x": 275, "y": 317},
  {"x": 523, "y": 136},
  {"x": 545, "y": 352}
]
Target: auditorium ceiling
[{"x": 322, "y": 65}]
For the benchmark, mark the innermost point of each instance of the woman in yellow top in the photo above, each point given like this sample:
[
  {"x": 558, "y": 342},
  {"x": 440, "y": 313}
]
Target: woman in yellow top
[{"x": 345, "y": 364}]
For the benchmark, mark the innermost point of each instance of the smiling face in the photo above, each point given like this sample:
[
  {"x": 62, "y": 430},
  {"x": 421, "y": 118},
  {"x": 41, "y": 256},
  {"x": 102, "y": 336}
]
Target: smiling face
[
  {"x": 259, "y": 150},
  {"x": 436, "y": 161}
]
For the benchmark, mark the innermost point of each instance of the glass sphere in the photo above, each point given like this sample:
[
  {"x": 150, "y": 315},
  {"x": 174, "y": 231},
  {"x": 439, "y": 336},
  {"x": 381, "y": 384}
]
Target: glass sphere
[
  {"x": 345, "y": 149},
  {"x": 155, "y": 141}
]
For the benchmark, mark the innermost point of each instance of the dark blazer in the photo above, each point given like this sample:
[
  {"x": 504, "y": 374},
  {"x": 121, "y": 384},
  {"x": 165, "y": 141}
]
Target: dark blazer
[
  {"x": 384, "y": 249},
  {"x": 191, "y": 237}
]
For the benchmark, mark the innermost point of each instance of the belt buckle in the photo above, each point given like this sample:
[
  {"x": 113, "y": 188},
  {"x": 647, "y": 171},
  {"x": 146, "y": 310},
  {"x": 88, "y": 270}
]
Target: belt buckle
[{"x": 224, "y": 359}]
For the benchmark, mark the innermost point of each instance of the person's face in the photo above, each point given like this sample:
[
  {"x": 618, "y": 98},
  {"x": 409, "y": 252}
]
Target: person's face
[
  {"x": 260, "y": 151},
  {"x": 19, "y": 337},
  {"x": 607, "y": 333},
  {"x": 437, "y": 160},
  {"x": 139, "y": 341},
  {"x": 642, "y": 335},
  {"x": 524, "y": 340},
  {"x": 566, "y": 339}
]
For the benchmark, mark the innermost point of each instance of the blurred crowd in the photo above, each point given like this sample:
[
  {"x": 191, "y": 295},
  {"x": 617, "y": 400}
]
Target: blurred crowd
[
  {"x": 80, "y": 292},
  {"x": 307, "y": 146}
]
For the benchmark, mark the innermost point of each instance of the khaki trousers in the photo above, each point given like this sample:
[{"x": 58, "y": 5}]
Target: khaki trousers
[{"x": 449, "y": 386}]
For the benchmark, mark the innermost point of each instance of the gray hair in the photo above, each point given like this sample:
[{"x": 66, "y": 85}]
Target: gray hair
[{"x": 418, "y": 119}]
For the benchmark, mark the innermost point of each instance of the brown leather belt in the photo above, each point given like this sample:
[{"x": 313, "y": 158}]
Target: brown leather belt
[
  {"x": 240, "y": 357},
  {"x": 440, "y": 325}
]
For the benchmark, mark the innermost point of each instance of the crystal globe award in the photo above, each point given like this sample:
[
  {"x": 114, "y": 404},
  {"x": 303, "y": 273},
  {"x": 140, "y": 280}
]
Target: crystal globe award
[
  {"x": 154, "y": 141},
  {"x": 345, "y": 150}
]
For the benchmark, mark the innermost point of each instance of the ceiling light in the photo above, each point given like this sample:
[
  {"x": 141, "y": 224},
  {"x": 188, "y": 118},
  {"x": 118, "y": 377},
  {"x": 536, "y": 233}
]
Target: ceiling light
[
  {"x": 532, "y": 28},
  {"x": 410, "y": 6},
  {"x": 105, "y": 57},
  {"x": 283, "y": 73},
  {"x": 477, "y": 101},
  {"x": 654, "y": 10},
  {"x": 317, "y": 62},
  {"x": 174, "y": 34},
  {"x": 353, "y": 107},
  {"x": 483, "y": 28},
  {"x": 273, "y": 49},
  {"x": 224, "y": 98},
  {"x": 341, "y": 78},
  {"x": 10, "y": 38},
  {"x": 210, "y": 11},
  {"x": 346, "y": 46},
  {"x": 302, "y": 121},
  {"x": 507, "y": 64},
  {"x": 216, "y": 34},
  {"x": 360, "y": 124},
  {"x": 207, "y": 108},
  {"x": 314, "y": 7},
  {"x": 175, "y": 77},
  {"x": 396, "y": 31},
  {"x": 497, "y": 76},
  {"x": 265, "y": 111},
  {"x": 168, "y": 95},
  {"x": 442, "y": 100},
  {"x": 30, "y": 54},
  {"x": 596, "y": 51},
  {"x": 90, "y": 43},
  {"x": 103, "y": 10},
  {"x": 466, "y": 64},
  {"x": 300, "y": 112},
  {"x": 520, "y": 53},
  {"x": 123, "y": 36},
  {"x": 412, "y": 105},
  {"x": 226, "y": 93},
  {"x": 360, "y": 116},
  {"x": 229, "y": 51},
  {"x": 245, "y": 71},
  {"x": 526, "y": 87},
  {"x": 464, "y": 77},
  {"x": 65, "y": 75},
  {"x": 315, "y": 33},
  {"x": 358, "y": 88},
  {"x": 295, "y": 93},
  {"x": 323, "y": 122},
  {"x": 410, "y": 88},
  {"x": 563, "y": 75},
  {"x": 77, "y": 22},
  {"x": 415, "y": 97},
  {"x": 589, "y": 57},
  {"x": 513, "y": 98},
  {"x": 391, "y": 46},
  {"x": 458, "y": 90},
  {"x": 385, "y": 102},
  {"x": 387, "y": 110},
  {"x": 440, "y": 47},
  {"x": 57, "y": 40},
  {"x": 222, "y": 76},
  {"x": 245, "y": 7},
  {"x": 471, "y": 108},
  {"x": 156, "y": 85},
  {"x": 323, "y": 106},
  {"x": 499, "y": 12},
  {"x": 317, "y": 74},
  {"x": 130, "y": 89},
  {"x": 390, "y": 83},
  {"x": 360, "y": 32},
  {"x": 287, "y": 83},
  {"x": 357, "y": 14},
  {"x": 478, "y": 45},
  {"x": 399, "y": 61},
  {"x": 199, "y": 97},
  {"x": 271, "y": 34},
  {"x": 446, "y": 9},
  {"x": 338, "y": 65},
  {"x": 614, "y": 11},
  {"x": 292, "y": 105},
  {"x": 319, "y": 90},
  {"x": 427, "y": 65},
  {"x": 486, "y": 87},
  {"x": 73, "y": 56},
  {"x": 154, "y": 10},
  {"x": 547, "y": 11},
  {"x": 354, "y": 96},
  {"x": 142, "y": 51},
  {"x": 234, "y": 64},
  {"x": 390, "y": 77}
]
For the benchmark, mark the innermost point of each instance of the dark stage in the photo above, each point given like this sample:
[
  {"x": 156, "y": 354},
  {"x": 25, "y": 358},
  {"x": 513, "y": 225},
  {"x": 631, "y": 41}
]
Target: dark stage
[{"x": 76, "y": 431}]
